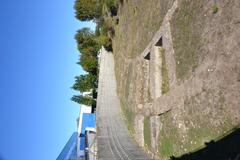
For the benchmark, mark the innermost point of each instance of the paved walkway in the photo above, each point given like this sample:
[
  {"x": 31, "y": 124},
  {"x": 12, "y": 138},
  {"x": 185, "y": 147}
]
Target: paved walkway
[{"x": 114, "y": 140}]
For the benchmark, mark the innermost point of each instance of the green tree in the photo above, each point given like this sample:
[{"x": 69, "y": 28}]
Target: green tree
[
  {"x": 86, "y": 42},
  {"x": 105, "y": 41},
  {"x": 84, "y": 100},
  {"x": 86, "y": 10},
  {"x": 88, "y": 63},
  {"x": 88, "y": 47},
  {"x": 84, "y": 83}
]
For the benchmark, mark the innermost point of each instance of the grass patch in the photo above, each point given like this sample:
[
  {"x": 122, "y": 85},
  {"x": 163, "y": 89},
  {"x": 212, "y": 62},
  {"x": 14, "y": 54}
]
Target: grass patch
[
  {"x": 167, "y": 150},
  {"x": 165, "y": 79},
  {"x": 204, "y": 118},
  {"x": 215, "y": 8},
  {"x": 186, "y": 30},
  {"x": 147, "y": 133},
  {"x": 149, "y": 98},
  {"x": 169, "y": 139},
  {"x": 129, "y": 117}
]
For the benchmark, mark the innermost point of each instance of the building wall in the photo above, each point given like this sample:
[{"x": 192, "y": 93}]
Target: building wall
[
  {"x": 83, "y": 109},
  {"x": 70, "y": 149}
]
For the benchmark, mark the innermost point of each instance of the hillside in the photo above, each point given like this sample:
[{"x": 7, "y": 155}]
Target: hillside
[{"x": 177, "y": 66}]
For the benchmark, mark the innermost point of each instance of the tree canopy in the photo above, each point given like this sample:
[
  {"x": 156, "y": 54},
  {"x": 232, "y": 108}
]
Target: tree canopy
[
  {"x": 88, "y": 47},
  {"x": 86, "y": 42},
  {"x": 84, "y": 100},
  {"x": 84, "y": 83},
  {"x": 86, "y": 10},
  {"x": 89, "y": 43}
]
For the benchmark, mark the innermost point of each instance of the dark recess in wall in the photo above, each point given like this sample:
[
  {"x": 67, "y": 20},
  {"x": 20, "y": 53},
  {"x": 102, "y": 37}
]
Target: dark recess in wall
[
  {"x": 159, "y": 43},
  {"x": 147, "y": 57}
]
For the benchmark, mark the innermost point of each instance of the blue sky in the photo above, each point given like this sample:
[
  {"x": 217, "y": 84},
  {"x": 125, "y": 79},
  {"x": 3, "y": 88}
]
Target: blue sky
[{"x": 37, "y": 67}]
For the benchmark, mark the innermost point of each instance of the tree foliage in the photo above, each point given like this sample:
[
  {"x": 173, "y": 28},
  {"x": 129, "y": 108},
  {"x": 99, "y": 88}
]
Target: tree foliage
[
  {"x": 86, "y": 42},
  {"x": 88, "y": 47},
  {"x": 86, "y": 10},
  {"x": 89, "y": 43},
  {"x": 88, "y": 63},
  {"x": 105, "y": 41},
  {"x": 84, "y": 83},
  {"x": 84, "y": 100}
]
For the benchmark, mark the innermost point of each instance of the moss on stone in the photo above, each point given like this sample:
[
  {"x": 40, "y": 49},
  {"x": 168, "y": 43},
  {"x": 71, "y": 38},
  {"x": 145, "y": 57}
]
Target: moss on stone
[
  {"x": 165, "y": 79},
  {"x": 147, "y": 133},
  {"x": 129, "y": 116}
]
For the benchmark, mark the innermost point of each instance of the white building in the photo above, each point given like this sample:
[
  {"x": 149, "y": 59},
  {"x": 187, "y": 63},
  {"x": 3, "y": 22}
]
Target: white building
[{"x": 83, "y": 109}]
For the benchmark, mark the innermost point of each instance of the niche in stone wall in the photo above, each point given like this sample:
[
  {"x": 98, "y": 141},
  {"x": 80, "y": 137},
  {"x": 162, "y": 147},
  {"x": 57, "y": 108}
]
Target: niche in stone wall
[
  {"x": 147, "y": 57},
  {"x": 159, "y": 42}
]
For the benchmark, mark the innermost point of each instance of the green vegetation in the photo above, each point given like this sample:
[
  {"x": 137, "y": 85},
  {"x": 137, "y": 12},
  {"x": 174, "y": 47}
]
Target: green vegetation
[
  {"x": 149, "y": 98},
  {"x": 84, "y": 83},
  {"x": 169, "y": 138},
  {"x": 88, "y": 48},
  {"x": 200, "y": 124},
  {"x": 86, "y": 10},
  {"x": 165, "y": 80},
  {"x": 111, "y": 6},
  {"x": 167, "y": 150},
  {"x": 147, "y": 132},
  {"x": 186, "y": 31},
  {"x": 89, "y": 43},
  {"x": 84, "y": 100},
  {"x": 215, "y": 8},
  {"x": 129, "y": 117},
  {"x": 102, "y": 37}
]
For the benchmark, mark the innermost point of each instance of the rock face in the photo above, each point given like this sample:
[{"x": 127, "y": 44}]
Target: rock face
[{"x": 178, "y": 75}]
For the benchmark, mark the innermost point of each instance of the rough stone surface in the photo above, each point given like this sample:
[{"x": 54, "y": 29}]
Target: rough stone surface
[
  {"x": 204, "y": 103},
  {"x": 138, "y": 127}
]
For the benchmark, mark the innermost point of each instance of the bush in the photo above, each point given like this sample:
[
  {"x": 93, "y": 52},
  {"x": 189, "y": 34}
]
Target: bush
[
  {"x": 105, "y": 41},
  {"x": 215, "y": 8},
  {"x": 105, "y": 32}
]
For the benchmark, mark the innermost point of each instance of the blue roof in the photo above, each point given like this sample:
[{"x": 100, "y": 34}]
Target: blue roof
[{"x": 88, "y": 120}]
